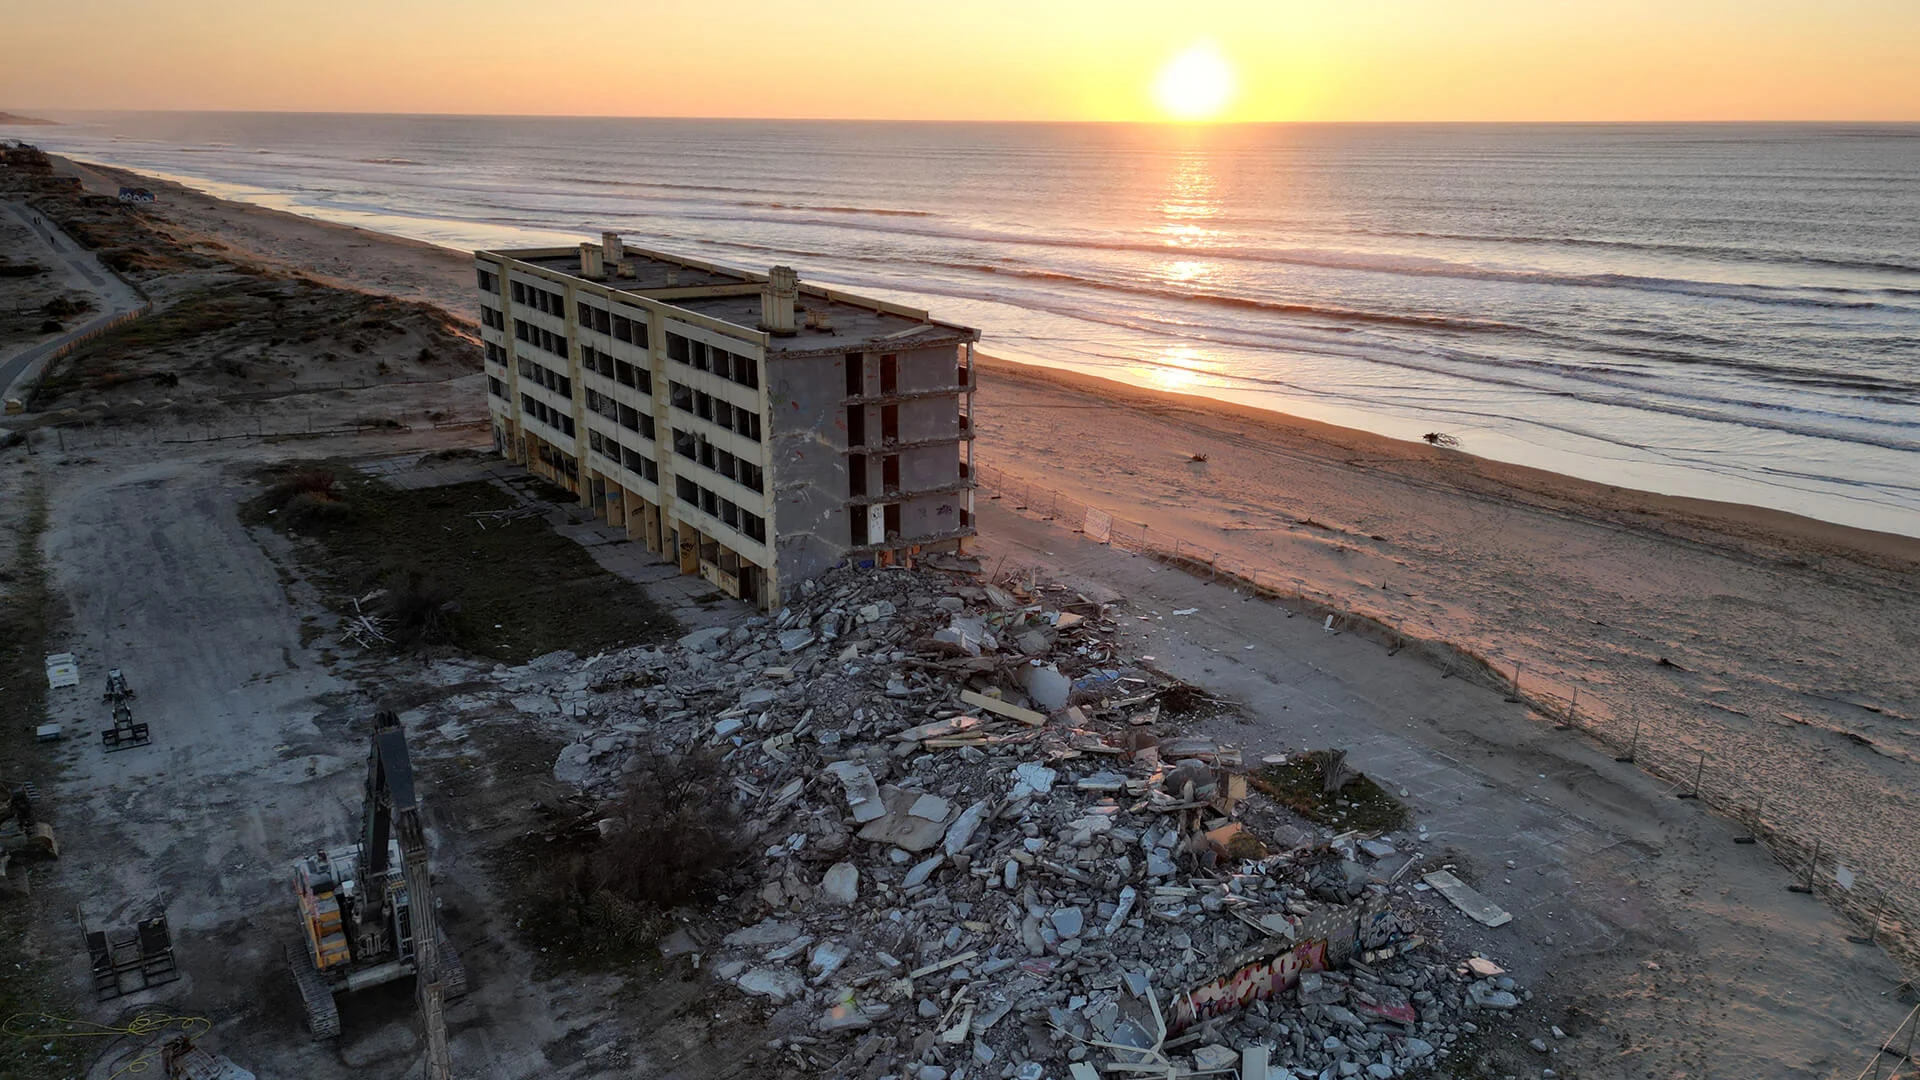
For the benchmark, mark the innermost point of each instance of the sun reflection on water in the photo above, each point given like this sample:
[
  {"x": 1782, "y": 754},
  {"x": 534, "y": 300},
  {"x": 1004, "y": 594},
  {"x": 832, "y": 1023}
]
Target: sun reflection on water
[
  {"x": 1179, "y": 368},
  {"x": 1187, "y": 207}
]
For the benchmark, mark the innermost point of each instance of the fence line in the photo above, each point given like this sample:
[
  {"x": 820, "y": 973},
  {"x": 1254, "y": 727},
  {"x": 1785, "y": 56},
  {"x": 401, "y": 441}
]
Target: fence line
[
  {"x": 95, "y": 436},
  {"x": 1885, "y": 907}
]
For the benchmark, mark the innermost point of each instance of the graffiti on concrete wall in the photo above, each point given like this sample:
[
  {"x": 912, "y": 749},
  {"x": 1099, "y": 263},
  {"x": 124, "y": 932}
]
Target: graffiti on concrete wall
[{"x": 1261, "y": 980}]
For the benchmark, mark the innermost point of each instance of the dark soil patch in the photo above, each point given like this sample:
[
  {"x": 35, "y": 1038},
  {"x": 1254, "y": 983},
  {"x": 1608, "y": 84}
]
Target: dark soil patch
[
  {"x": 1364, "y": 805},
  {"x": 505, "y": 590}
]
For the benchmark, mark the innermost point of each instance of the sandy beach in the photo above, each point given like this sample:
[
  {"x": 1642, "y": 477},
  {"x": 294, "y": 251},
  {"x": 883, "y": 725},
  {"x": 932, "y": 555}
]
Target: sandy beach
[{"x": 1780, "y": 648}]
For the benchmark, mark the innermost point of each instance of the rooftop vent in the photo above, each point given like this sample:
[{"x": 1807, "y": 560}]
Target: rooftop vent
[
  {"x": 612, "y": 247},
  {"x": 624, "y": 268},
  {"x": 777, "y": 299},
  {"x": 673, "y": 276},
  {"x": 591, "y": 266}
]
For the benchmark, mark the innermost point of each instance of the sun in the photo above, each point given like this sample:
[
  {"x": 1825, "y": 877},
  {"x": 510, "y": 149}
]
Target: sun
[{"x": 1196, "y": 84}]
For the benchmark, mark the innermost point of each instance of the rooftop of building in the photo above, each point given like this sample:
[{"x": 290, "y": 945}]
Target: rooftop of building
[{"x": 827, "y": 320}]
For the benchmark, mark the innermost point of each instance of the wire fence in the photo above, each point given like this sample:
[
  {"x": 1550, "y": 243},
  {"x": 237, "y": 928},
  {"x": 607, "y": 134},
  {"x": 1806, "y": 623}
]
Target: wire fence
[
  {"x": 1883, "y": 906},
  {"x": 96, "y": 435}
]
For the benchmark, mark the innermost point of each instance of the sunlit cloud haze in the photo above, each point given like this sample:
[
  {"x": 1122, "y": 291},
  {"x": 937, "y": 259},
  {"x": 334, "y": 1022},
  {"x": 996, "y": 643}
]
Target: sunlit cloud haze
[{"x": 980, "y": 60}]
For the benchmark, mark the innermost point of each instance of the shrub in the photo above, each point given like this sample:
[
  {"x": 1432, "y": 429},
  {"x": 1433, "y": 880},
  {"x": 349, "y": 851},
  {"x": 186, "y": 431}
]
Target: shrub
[
  {"x": 671, "y": 838},
  {"x": 419, "y": 610}
]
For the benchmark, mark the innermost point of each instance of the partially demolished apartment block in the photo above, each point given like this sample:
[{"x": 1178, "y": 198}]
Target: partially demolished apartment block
[{"x": 757, "y": 430}]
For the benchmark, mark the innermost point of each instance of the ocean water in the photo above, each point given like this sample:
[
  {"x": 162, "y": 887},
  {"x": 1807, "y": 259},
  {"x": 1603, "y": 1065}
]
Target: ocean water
[{"x": 1723, "y": 311}]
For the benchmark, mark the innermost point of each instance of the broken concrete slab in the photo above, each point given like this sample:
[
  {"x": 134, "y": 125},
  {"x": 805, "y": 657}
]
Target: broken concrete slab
[
  {"x": 779, "y": 984},
  {"x": 960, "y": 834},
  {"x": 1467, "y": 899},
  {"x": 770, "y": 932},
  {"x": 899, "y": 826},
  {"x": 931, "y": 807},
  {"x": 863, "y": 793}
]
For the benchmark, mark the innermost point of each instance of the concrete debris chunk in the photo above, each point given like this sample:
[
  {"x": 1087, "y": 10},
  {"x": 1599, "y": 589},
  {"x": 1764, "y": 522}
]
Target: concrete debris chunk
[
  {"x": 841, "y": 884},
  {"x": 960, "y": 834},
  {"x": 1046, "y": 686},
  {"x": 900, "y": 827},
  {"x": 1032, "y": 779},
  {"x": 777, "y": 983},
  {"x": 863, "y": 794},
  {"x": 1468, "y": 899},
  {"x": 931, "y": 807}
]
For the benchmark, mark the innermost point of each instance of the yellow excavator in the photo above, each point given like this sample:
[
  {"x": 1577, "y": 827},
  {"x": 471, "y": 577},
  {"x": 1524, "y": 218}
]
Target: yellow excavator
[{"x": 366, "y": 909}]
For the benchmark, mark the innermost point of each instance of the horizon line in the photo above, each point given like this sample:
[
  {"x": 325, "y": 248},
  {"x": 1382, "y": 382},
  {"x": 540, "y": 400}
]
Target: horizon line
[{"x": 26, "y": 112}]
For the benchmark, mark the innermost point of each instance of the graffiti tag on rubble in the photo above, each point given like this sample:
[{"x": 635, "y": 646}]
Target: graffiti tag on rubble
[{"x": 1258, "y": 981}]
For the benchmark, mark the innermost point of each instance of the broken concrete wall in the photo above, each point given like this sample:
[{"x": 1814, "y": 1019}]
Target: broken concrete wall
[
  {"x": 807, "y": 463},
  {"x": 928, "y": 369},
  {"x": 930, "y": 515},
  {"x": 929, "y": 418},
  {"x": 923, "y": 467}
]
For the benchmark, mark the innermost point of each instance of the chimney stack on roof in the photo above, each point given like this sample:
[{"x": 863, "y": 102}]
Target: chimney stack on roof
[
  {"x": 591, "y": 266},
  {"x": 777, "y": 300},
  {"x": 612, "y": 247}
]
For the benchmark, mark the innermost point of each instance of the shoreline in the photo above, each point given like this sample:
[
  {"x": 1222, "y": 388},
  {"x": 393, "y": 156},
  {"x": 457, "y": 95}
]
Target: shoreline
[
  {"x": 1628, "y": 507},
  {"x": 1743, "y": 521}
]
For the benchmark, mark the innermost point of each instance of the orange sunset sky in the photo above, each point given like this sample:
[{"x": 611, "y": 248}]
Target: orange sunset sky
[{"x": 977, "y": 60}]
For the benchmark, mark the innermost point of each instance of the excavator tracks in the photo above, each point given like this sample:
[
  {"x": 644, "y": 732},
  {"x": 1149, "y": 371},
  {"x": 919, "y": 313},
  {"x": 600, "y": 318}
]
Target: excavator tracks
[{"x": 323, "y": 1017}]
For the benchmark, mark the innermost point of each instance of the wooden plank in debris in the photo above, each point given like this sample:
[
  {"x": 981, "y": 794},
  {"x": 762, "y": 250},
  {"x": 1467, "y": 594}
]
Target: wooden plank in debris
[
  {"x": 995, "y": 705},
  {"x": 1467, "y": 899},
  {"x": 944, "y": 964},
  {"x": 938, "y": 729}
]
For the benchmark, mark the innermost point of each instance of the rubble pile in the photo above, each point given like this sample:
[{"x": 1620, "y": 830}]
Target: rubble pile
[{"x": 991, "y": 851}]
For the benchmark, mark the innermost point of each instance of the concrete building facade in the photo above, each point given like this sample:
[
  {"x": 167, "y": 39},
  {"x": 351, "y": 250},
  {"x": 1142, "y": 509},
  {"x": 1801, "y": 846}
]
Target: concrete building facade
[{"x": 753, "y": 428}]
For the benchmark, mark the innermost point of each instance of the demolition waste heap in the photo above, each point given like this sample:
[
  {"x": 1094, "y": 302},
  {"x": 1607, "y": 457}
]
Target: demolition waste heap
[{"x": 992, "y": 849}]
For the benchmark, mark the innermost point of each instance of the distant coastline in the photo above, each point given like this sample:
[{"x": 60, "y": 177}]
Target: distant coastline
[{"x": 25, "y": 121}]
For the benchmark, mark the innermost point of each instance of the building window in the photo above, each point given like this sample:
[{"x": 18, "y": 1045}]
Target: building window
[
  {"x": 601, "y": 321},
  {"x": 489, "y": 281},
  {"x": 629, "y": 418},
  {"x": 685, "y": 490},
  {"x": 496, "y": 388},
  {"x": 677, "y": 348},
  {"x": 519, "y": 293},
  {"x": 680, "y": 397}
]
